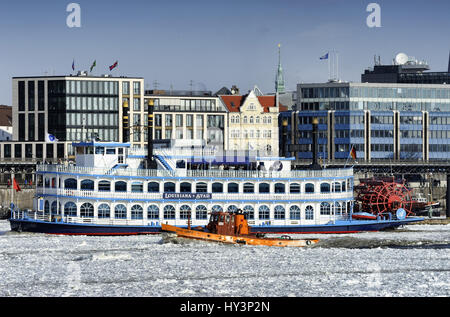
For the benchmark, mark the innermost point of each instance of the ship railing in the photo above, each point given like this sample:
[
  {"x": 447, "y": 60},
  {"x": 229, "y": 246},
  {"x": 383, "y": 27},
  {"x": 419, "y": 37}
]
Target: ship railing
[
  {"x": 214, "y": 196},
  {"x": 327, "y": 173}
]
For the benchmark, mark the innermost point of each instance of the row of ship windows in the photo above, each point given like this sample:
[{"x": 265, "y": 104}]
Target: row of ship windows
[
  {"x": 169, "y": 211},
  {"x": 170, "y": 187}
]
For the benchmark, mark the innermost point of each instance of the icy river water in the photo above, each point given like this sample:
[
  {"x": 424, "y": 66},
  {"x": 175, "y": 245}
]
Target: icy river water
[{"x": 411, "y": 261}]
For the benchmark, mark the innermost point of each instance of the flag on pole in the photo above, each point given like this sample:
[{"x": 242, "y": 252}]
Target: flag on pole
[
  {"x": 73, "y": 65},
  {"x": 93, "y": 65},
  {"x": 353, "y": 153},
  {"x": 113, "y": 66},
  {"x": 325, "y": 56},
  {"x": 16, "y": 186},
  {"x": 51, "y": 138}
]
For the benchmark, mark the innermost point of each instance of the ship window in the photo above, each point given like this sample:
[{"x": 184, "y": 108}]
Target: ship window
[
  {"x": 185, "y": 187},
  {"x": 336, "y": 187},
  {"x": 309, "y": 213},
  {"x": 324, "y": 188},
  {"x": 110, "y": 151},
  {"x": 153, "y": 187},
  {"x": 169, "y": 188},
  {"x": 279, "y": 212},
  {"x": 295, "y": 188},
  {"x": 201, "y": 212},
  {"x": 87, "y": 210},
  {"x": 153, "y": 212},
  {"x": 169, "y": 212},
  {"x": 120, "y": 212},
  {"x": 280, "y": 188},
  {"x": 217, "y": 188},
  {"x": 337, "y": 209},
  {"x": 70, "y": 183},
  {"x": 232, "y": 208},
  {"x": 325, "y": 208},
  {"x": 137, "y": 212},
  {"x": 47, "y": 207},
  {"x": 249, "y": 188},
  {"x": 250, "y": 211},
  {"x": 264, "y": 212},
  {"x": 309, "y": 188},
  {"x": 87, "y": 184},
  {"x": 264, "y": 188},
  {"x": 294, "y": 212},
  {"x": 185, "y": 211},
  {"x": 99, "y": 150},
  {"x": 137, "y": 187},
  {"x": 70, "y": 209},
  {"x": 233, "y": 188},
  {"x": 120, "y": 186},
  {"x": 54, "y": 208},
  {"x": 201, "y": 188},
  {"x": 343, "y": 186},
  {"x": 104, "y": 211},
  {"x": 104, "y": 186},
  {"x": 217, "y": 208}
]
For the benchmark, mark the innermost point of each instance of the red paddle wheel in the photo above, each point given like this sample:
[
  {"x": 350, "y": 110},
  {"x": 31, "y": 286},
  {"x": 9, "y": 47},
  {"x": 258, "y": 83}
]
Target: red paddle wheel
[{"x": 382, "y": 195}]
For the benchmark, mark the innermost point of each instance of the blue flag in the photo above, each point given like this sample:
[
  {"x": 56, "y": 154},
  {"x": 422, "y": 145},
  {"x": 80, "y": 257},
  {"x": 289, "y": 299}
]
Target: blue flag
[
  {"x": 73, "y": 65},
  {"x": 325, "y": 56}
]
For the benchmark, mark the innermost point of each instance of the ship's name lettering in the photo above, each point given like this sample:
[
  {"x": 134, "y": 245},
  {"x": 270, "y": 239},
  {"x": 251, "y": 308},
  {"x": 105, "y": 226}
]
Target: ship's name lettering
[{"x": 186, "y": 196}]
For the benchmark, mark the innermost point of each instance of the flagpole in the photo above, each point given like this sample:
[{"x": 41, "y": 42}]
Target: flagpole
[{"x": 349, "y": 153}]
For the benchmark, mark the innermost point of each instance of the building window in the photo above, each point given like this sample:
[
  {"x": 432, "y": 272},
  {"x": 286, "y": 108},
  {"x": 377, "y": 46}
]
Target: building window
[{"x": 21, "y": 91}]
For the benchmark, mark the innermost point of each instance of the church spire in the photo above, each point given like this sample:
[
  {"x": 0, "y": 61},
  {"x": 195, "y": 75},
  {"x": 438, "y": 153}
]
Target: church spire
[{"x": 279, "y": 80}]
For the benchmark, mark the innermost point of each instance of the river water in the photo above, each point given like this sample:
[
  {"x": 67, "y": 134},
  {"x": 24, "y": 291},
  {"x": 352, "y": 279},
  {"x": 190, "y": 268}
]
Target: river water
[{"x": 411, "y": 261}]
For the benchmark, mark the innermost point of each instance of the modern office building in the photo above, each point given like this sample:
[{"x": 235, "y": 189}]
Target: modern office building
[
  {"x": 382, "y": 121},
  {"x": 193, "y": 118},
  {"x": 72, "y": 108},
  {"x": 404, "y": 69}
]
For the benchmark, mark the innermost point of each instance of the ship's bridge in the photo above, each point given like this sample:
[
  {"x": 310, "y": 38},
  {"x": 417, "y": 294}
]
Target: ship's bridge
[{"x": 101, "y": 154}]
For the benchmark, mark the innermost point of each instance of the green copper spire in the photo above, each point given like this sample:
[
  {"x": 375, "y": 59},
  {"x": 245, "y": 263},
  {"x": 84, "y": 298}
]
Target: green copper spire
[{"x": 279, "y": 80}]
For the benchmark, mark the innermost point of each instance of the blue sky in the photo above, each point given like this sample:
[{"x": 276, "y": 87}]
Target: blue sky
[{"x": 217, "y": 43}]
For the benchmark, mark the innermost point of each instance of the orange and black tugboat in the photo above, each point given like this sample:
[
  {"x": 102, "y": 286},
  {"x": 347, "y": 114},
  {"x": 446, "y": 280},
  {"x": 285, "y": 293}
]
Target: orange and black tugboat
[{"x": 232, "y": 228}]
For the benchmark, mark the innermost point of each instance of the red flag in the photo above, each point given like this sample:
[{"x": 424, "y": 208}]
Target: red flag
[
  {"x": 16, "y": 186},
  {"x": 113, "y": 66},
  {"x": 353, "y": 153}
]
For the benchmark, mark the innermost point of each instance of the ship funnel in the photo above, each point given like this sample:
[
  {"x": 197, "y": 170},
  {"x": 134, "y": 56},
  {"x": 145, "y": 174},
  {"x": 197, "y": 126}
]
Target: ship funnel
[{"x": 151, "y": 163}]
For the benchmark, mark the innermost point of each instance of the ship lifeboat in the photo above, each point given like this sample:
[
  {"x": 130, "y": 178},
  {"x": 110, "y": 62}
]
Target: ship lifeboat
[
  {"x": 232, "y": 228},
  {"x": 364, "y": 216}
]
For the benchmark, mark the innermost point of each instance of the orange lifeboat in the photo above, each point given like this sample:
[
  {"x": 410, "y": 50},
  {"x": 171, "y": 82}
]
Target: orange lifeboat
[{"x": 232, "y": 228}]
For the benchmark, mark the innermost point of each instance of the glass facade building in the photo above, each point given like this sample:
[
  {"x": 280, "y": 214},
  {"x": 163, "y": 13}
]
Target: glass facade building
[{"x": 382, "y": 121}]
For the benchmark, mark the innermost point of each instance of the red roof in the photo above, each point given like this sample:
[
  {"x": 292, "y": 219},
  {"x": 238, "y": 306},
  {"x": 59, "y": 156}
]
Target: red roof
[{"x": 234, "y": 102}]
